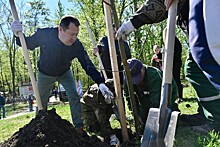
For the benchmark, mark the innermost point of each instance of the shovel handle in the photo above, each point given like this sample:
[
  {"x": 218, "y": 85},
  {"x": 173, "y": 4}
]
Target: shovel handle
[
  {"x": 26, "y": 57},
  {"x": 97, "y": 54},
  {"x": 165, "y": 111},
  {"x": 169, "y": 44}
]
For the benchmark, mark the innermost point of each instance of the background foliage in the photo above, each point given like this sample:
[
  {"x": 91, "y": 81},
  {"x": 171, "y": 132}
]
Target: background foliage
[{"x": 13, "y": 69}]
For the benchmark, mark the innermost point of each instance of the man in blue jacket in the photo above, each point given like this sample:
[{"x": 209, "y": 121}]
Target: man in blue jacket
[{"x": 58, "y": 47}]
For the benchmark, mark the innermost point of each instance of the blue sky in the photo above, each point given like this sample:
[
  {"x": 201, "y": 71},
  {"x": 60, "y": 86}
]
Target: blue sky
[{"x": 52, "y": 4}]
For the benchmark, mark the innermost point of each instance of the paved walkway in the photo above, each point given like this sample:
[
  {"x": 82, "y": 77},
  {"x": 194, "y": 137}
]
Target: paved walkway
[{"x": 51, "y": 100}]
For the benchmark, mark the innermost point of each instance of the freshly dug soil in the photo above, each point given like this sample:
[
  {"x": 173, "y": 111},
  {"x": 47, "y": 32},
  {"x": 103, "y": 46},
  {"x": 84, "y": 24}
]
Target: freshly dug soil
[{"x": 49, "y": 130}]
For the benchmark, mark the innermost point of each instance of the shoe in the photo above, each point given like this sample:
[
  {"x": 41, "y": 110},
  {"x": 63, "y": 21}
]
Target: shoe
[{"x": 114, "y": 140}]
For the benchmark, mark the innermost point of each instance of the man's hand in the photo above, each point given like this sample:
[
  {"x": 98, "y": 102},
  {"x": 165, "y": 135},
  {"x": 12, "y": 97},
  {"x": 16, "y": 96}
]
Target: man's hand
[
  {"x": 16, "y": 27},
  {"x": 125, "y": 29},
  {"x": 108, "y": 95}
]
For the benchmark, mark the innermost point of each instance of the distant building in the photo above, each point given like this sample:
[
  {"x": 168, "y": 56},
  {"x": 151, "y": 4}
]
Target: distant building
[{"x": 25, "y": 88}]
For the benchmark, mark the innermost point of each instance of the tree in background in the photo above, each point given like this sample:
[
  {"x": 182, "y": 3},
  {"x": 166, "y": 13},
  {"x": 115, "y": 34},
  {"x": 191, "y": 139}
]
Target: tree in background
[
  {"x": 8, "y": 78},
  {"x": 35, "y": 17},
  {"x": 59, "y": 13}
]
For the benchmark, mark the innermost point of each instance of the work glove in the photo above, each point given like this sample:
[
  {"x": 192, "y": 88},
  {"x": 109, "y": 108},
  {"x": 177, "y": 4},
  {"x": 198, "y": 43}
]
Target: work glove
[
  {"x": 16, "y": 27},
  {"x": 114, "y": 140},
  {"x": 108, "y": 95},
  {"x": 125, "y": 29}
]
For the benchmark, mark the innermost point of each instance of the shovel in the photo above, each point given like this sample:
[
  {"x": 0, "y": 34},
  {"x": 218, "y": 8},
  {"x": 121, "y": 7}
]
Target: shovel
[
  {"x": 114, "y": 107},
  {"x": 97, "y": 54},
  {"x": 161, "y": 122},
  {"x": 26, "y": 57}
]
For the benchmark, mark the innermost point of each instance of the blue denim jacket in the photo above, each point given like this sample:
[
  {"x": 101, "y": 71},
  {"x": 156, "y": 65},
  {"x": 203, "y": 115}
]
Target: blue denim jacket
[{"x": 55, "y": 57}]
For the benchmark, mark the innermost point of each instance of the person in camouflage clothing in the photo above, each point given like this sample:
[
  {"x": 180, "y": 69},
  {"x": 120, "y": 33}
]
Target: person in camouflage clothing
[{"x": 96, "y": 111}]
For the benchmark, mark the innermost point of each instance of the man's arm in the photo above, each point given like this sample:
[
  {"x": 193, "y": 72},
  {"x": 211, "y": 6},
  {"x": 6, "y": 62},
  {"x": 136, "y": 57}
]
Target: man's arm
[
  {"x": 152, "y": 11},
  {"x": 88, "y": 66},
  {"x": 31, "y": 41},
  {"x": 127, "y": 50}
]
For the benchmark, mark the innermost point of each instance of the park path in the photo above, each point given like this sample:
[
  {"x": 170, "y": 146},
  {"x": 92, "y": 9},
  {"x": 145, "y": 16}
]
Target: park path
[
  {"x": 21, "y": 113},
  {"x": 51, "y": 100}
]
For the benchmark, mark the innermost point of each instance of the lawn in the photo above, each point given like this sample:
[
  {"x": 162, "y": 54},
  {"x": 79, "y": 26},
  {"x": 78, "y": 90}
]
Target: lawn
[{"x": 184, "y": 137}]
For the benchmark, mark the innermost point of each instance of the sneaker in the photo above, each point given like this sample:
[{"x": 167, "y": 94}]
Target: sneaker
[{"x": 114, "y": 140}]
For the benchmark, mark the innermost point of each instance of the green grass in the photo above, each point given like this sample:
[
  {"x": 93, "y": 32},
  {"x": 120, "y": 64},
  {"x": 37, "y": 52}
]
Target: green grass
[
  {"x": 63, "y": 110},
  {"x": 10, "y": 126},
  {"x": 189, "y": 105},
  {"x": 184, "y": 136},
  {"x": 211, "y": 140},
  {"x": 16, "y": 108}
]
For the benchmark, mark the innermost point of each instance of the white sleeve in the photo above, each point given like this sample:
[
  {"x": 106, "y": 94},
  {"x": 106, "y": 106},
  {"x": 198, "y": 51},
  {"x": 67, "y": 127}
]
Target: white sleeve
[{"x": 211, "y": 13}]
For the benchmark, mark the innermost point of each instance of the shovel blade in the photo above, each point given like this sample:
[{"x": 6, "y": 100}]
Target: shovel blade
[{"x": 152, "y": 129}]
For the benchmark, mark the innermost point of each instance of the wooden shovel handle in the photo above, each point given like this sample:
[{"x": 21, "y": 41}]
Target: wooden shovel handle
[
  {"x": 169, "y": 44},
  {"x": 97, "y": 54},
  {"x": 26, "y": 57},
  {"x": 114, "y": 65}
]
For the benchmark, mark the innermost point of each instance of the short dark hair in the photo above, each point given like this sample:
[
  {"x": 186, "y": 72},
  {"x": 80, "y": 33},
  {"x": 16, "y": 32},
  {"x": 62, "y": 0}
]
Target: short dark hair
[{"x": 65, "y": 21}]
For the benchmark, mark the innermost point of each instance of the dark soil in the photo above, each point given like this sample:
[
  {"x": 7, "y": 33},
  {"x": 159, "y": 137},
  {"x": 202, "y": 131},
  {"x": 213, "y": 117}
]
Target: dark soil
[{"x": 49, "y": 130}]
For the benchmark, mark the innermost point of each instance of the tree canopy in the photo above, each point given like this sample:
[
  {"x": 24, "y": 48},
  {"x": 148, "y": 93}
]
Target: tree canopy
[{"x": 13, "y": 69}]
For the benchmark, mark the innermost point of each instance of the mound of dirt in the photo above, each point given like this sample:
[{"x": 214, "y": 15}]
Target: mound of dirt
[{"x": 49, "y": 130}]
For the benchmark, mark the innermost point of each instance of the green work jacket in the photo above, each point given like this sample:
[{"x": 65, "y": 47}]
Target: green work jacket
[{"x": 148, "y": 95}]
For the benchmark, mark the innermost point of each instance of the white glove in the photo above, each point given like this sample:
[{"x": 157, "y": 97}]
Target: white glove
[
  {"x": 114, "y": 140},
  {"x": 108, "y": 95},
  {"x": 16, "y": 27},
  {"x": 125, "y": 29}
]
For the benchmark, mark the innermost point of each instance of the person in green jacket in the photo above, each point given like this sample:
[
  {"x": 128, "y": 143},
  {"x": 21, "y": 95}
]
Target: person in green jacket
[{"x": 147, "y": 82}]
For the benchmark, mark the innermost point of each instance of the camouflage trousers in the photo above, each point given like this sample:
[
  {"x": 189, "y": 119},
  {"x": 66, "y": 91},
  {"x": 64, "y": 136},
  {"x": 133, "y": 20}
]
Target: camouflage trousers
[{"x": 96, "y": 116}]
